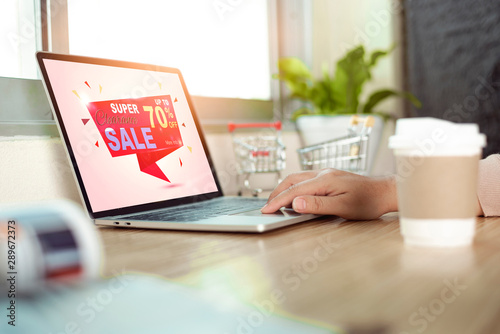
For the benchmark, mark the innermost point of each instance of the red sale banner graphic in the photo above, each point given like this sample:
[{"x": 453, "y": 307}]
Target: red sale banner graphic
[{"x": 145, "y": 126}]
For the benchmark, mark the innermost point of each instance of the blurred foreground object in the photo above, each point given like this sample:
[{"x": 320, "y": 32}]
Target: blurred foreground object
[
  {"x": 139, "y": 304},
  {"x": 47, "y": 243}
]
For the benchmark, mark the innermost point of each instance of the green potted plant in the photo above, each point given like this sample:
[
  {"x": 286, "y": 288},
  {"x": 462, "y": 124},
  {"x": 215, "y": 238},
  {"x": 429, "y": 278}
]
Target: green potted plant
[
  {"x": 331, "y": 99},
  {"x": 338, "y": 93}
]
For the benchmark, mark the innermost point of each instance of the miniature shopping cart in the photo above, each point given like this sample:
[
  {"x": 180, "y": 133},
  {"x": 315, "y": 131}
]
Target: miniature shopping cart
[
  {"x": 263, "y": 152},
  {"x": 348, "y": 153}
]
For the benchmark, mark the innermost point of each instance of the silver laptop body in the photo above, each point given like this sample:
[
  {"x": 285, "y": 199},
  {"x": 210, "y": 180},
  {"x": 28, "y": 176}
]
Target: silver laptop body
[{"x": 138, "y": 152}]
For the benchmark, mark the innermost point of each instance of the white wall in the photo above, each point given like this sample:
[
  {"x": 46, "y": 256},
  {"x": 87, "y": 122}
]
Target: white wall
[
  {"x": 341, "y": 25},
  {"x": 36, "y": 168}
]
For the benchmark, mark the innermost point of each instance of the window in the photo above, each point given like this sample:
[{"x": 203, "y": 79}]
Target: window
[
  {"x": 19, "y": 39},
  {"x": 226, "y": 49},
  {"x": 222, "y": 47}
]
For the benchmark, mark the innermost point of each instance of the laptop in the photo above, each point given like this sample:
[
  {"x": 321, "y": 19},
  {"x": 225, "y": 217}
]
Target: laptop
[{"x": 137, "y": 149}]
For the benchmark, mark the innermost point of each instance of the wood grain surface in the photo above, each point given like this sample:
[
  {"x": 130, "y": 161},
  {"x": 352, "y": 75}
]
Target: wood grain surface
[{"x": 356, "y": 274}]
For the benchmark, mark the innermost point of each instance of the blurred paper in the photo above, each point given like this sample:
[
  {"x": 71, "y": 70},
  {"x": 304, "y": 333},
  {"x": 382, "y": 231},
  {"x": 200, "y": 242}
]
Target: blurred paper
[{"x": 141, "y": 304}]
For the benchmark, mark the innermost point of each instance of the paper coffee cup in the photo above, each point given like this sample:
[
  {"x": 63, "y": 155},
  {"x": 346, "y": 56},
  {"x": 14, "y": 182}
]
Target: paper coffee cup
[{"x": 437, "y": 166}]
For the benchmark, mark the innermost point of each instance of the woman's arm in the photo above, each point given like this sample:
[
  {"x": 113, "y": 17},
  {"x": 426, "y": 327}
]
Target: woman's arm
[
  {"x": 334, "y": 192},
  {"x": 488, "y": 189},
  {"x": 351, "y": 196}
]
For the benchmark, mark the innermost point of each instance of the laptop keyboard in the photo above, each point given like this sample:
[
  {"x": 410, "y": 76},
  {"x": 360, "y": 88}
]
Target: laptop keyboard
[{"x": 202, "y": 210}]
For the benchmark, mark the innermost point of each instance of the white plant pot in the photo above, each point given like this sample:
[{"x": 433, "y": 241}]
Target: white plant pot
[{"x": 315, "y": 129}]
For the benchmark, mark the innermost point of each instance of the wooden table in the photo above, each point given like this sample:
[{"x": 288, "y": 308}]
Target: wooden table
[{"x": 356, "y": 274}]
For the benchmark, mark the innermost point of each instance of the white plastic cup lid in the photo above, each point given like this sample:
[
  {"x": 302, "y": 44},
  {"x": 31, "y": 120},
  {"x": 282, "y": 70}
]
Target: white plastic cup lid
[{"x": 418, "y": 131}]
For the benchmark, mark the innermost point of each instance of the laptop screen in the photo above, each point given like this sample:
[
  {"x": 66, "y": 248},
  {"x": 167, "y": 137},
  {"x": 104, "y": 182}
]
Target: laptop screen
[{"x": 130, "y": 130}]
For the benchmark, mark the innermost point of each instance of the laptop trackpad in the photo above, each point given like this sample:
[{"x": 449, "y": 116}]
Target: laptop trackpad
[{"x": 283, "y": 212}]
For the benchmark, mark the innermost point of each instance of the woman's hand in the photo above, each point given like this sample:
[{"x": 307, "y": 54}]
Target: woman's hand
[{"x": 334, "y": 192}]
